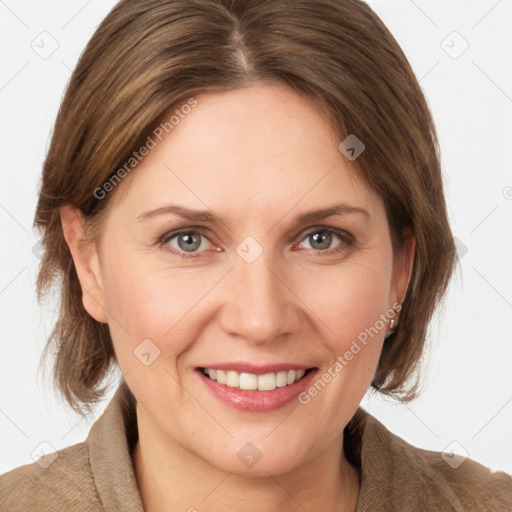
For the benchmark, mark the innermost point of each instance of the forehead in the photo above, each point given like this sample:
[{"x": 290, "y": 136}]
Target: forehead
[{"x": 257, "y": 150}]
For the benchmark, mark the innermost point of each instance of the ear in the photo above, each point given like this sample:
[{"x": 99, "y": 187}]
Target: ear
[
  {"x": 85, "y": 258},
  {"x": 402, "y": 267}
]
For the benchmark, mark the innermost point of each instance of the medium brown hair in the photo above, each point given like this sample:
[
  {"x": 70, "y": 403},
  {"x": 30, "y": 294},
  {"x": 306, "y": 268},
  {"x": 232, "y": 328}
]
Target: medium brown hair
[{"x": 150, "y": 55}]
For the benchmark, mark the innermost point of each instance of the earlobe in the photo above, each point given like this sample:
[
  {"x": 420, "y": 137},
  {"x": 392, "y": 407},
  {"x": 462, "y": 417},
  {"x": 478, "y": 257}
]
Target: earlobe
[{"x": 86, "y": 261}]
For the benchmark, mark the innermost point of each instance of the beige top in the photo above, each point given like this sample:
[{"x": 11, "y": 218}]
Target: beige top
[{"x": 98, "y": 474}]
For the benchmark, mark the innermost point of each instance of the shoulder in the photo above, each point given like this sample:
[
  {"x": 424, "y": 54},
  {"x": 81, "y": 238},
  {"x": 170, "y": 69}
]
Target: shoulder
[
  {"x": 92, "y": 476},
  {"x": 421, "y": 479},
  {"x": 474, "y": 485},
  {"x": 58, "y": 481}
]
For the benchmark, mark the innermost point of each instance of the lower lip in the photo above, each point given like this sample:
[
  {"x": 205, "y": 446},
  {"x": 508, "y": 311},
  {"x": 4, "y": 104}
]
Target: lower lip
[{"x": 257, "y": 401}]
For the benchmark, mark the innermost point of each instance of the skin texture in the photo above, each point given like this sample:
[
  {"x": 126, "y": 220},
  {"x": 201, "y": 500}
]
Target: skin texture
[{"x": 257, "y": 157}]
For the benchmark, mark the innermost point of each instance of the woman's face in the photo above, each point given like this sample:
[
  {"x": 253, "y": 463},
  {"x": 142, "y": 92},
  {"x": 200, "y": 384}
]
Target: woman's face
[{"x": 248, "y": 288}]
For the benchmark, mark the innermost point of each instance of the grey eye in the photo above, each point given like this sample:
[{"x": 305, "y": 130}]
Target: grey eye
[
  {"x": 188, "y": 241},
  {"x": 321, "y": 240}
]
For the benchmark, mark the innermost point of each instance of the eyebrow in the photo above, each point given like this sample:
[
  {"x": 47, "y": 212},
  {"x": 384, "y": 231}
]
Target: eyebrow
[{"x": 208, "y": 217}]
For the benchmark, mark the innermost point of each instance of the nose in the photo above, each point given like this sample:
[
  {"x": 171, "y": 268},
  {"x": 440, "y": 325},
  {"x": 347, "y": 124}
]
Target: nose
[{"x": 260, "y": 305}]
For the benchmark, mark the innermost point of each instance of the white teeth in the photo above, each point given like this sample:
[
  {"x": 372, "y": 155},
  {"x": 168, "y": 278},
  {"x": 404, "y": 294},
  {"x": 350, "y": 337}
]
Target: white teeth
[
  {"x": 267, "y": 382},
  {"x": 232, "y": 379},
  {"x": 221, "y": 376},
  {"x": 250, "y": 381},
  {"x": 281, "y": 379}
]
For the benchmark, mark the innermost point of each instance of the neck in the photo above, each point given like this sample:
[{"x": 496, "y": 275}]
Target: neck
[{"x": 172, "y": 478}]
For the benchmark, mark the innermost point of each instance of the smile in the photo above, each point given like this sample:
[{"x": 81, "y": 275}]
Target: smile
[
  {"x": 253, "y": 382},
  {"x": 255, "y": 388}
]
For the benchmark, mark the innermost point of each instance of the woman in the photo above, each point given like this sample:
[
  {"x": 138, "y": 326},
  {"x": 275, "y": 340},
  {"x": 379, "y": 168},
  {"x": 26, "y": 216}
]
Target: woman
[{"x": 244, "y": 203}]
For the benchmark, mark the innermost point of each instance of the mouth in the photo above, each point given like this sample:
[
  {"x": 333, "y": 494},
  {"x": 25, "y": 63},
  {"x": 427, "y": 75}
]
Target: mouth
[
  {"x": 255, "y": 388},
  {"x": 255, "y": 382}
]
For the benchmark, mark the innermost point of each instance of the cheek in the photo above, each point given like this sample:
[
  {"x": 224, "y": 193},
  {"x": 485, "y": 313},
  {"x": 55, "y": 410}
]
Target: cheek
[
  {"x": 350, "y": 304},
  {"x": 154, "y": 301},
  {"x": 348, "y": 299}
]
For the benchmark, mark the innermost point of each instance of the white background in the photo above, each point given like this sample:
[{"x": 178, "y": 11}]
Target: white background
[{"x": 467, "y": 395}]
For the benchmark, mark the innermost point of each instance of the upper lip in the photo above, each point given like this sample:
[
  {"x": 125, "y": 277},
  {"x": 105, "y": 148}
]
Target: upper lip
[{"x": 243, "y": 367}]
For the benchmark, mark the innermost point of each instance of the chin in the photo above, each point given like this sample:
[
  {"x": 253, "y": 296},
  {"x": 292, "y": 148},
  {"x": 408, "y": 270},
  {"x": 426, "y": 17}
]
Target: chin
[
  {"x": 257, "y": 458},
  {"x": 274, "y": 464}
]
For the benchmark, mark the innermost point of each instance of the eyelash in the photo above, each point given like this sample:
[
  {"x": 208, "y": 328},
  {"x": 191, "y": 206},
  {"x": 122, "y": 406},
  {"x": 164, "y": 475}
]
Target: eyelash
[{"x": 346, "y": 240}]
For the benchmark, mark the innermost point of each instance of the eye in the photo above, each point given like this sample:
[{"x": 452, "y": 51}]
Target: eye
[
  {"x": 321, "y": 239},
  {"x": 192, "y": 242},
  {"x": 186, "y": 241}
]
